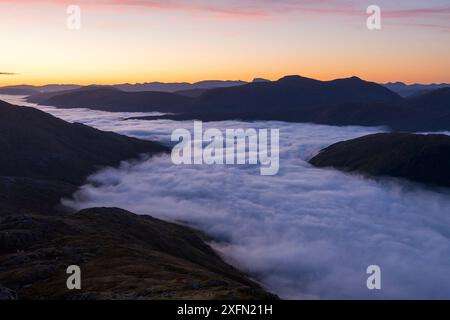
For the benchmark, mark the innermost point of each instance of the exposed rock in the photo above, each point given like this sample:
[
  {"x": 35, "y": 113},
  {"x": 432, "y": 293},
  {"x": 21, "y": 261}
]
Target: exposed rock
[{"x": 7, "y": 294}]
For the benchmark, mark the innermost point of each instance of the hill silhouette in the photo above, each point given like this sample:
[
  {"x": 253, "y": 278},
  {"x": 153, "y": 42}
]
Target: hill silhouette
[
  {"x": 108, "y": 98},
  {"x": 349, "y": 101},
  {"x": 421, "y": 158},
  {"x": 406, "y": 90}
]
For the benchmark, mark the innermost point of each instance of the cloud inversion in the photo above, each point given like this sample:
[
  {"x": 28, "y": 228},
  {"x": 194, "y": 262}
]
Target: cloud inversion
[{"x": 305, "y": 233}]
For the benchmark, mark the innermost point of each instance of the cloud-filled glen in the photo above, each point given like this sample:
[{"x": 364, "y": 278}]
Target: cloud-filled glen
[{"x": 305, "y": 233}]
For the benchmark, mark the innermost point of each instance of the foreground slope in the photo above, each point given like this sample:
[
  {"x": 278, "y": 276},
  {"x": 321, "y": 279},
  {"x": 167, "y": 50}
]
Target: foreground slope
[
  {"x": 121, "y": 256},
  {"x": 421, "y": 158}
]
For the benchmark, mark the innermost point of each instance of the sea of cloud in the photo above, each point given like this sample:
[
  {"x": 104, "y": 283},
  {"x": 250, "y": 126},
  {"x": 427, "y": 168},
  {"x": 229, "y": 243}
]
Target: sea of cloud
[{"x": 306, "y": 233}]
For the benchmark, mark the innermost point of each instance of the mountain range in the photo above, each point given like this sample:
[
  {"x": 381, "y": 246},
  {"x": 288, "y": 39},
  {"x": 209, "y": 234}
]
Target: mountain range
[
  {"x": 128, "y": 87},
  {"x": 107, "y": 98},
  {"x": 406, "y": 90},
  {"x": 349, "y": 101},
  {"x": 400, "y": 88},
  {"x": 27, "y": 90}
]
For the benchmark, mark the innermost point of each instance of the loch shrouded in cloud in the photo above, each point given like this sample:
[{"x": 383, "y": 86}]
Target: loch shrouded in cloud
[
  {"x": 181, "y": 40},
  {"x": 305, "y": 233}
]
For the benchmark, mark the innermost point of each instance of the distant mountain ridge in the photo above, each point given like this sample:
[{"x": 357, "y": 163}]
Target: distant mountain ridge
[
  {"x": 348, "y": 101},
  {"x": 30, "y": 90},
  {"x": 174, "y": 87},
  {"x": 406, "y": 90},
  {"x": 114, "y": 100},
  {"x": 288, "y": 93},
  {"x": 400, "y": 88},
  {"x": 181, "y": 86},
  {"x": 128, "y": 87},
  {"x": 293, "y": 93}
]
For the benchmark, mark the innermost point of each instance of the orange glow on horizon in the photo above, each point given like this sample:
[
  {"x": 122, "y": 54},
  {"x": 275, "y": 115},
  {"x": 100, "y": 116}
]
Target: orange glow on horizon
[{"x": 193, "y": 41}]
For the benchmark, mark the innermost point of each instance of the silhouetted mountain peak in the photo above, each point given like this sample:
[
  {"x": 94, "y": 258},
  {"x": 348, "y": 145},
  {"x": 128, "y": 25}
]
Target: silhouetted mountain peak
[
  {"x": 351, "y": 81},
  {"x": 296, "y": 80},
  {"x": 398, "y": 83},
  {"x": 260, "y": 80},
  {"x": 355, "y": 78},
  {"x": 98, "y": 88},
  {"x": 218, "y": 83}
]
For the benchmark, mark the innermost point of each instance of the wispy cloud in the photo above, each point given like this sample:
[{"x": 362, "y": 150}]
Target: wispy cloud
[
  {"x": 426, "y": 16},
  {"x": 7, "y": 73},
  {"x": 436, "y": 14},
  {"x": 258, "y": 7},
  {"x": 419, "y": 12}
]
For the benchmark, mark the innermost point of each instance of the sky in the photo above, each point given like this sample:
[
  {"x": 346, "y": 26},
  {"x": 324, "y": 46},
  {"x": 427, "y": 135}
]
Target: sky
[{"x": 131, "y": 41}]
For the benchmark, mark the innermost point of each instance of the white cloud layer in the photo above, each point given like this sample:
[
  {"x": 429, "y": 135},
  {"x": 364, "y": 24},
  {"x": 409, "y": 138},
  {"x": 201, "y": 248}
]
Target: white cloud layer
[{"x": 305, "y": 233}]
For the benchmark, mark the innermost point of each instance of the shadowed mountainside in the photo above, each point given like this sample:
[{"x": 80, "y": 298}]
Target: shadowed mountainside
[
  {"x": 294, "y": 93},
  {"x": 114, "y": 100},
  {"x": 18, "y": 91},
  {"x": 38, "y": 145},
  {"x": 289, "y": 94},
  {"x": 44, "y": 158},
  {"x": 349, "y": 101},
  {"x": 432, "y": 101},
  {"x": 340, "y": 102},
  {"x": 293, "y": 98},
  {"x": 420, "y": 158},
  {"x": 32, "y": 90}
]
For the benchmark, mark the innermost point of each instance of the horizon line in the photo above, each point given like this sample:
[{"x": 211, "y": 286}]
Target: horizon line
[{"x": 215, "y": 79}]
